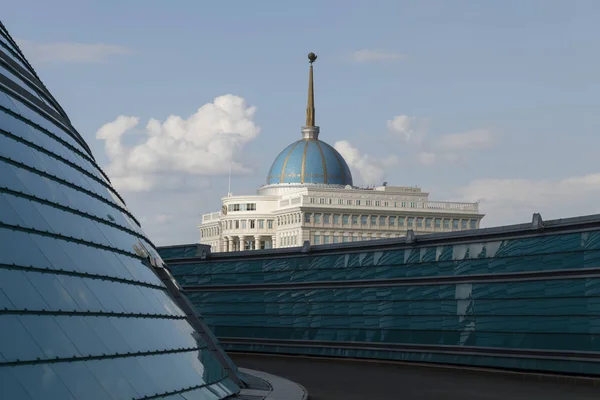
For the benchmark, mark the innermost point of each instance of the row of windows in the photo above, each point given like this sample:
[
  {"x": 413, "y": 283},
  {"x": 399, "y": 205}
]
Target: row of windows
[
  {"x": 359, "y": 202},
  {"x": 26, "y": 181},
  {"x": 242, "y": 207},
  {"x": 25, "y": 84},
  {"x": 210, "y": 232},
  {"x": 50, "y": 142},
  {"x": 319, "y": 238},
  {"x": 47, "y": 252},
  {"x": 7, "y": 44},
  {"x": 390, "y": 221},
  {"x": 45, "y": 121},
  {"x": 30, "y": 183},
  {"x": 12, "y": 54},
  {"x": 19, "y": 211},
  {"x": 289, "y": 239},
  {"x": 17, "y": 127},
  {"x": 248, "y": 224},
  {"x": 130, "y": 377},
  {"x": 30, "y": 290},
  {"x": 29, "y": 337}
]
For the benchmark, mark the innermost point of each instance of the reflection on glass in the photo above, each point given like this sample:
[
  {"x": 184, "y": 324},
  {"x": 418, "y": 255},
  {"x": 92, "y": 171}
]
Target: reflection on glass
[{"x": 85, "y": 316}]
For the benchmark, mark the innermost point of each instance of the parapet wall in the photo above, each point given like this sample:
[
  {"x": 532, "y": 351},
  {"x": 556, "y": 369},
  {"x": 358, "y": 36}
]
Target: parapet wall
[{"x": 521, "y": 297}]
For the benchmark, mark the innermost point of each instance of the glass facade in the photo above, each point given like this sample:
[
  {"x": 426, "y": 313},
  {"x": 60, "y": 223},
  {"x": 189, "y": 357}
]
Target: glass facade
[
  {"x": 511, "y": 298},
  {"x": 83, "y": 312}
]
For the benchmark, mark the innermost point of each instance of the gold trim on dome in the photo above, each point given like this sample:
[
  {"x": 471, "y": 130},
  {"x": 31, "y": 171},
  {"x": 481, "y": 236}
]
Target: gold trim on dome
[
  {"x": 304, "y": 160},
  {"x": 282, "y": 176},
  {"x": 325, "y": 180}
]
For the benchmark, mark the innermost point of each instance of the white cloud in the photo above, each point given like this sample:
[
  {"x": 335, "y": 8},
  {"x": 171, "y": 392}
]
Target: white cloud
[
  {"x": 373, "y": 55},
  {"x": 206, "y": 143},
  {"x": 366, "y": 170},
  {"x": 507, "y": 201},
  {"x": 409, "y": 129},
  {"x": 70, "y": 52},
  {"x": 436, "y": 149},
  {"x": 466, "y": 141}
]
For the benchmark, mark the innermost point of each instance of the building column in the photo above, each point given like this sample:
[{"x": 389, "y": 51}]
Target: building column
[
  {"x": 256, "y": 242},
  {"x": 225, "y": 244}
]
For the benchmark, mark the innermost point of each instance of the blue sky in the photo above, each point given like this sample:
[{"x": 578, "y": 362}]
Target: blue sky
[{"x": 501, "y": 98}]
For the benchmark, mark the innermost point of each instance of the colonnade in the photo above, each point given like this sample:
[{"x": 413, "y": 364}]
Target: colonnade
[{"x": 247, "y": 242}]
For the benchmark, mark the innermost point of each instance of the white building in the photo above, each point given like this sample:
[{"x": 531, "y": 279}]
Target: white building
[{"x": 309, "y": 195}]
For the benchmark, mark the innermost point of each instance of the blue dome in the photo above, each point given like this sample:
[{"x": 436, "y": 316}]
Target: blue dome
[{"x": 310, "y": 161}]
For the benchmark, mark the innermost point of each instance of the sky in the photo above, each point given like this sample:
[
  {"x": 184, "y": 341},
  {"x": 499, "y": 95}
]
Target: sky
[{"x": 488, "y": 101}]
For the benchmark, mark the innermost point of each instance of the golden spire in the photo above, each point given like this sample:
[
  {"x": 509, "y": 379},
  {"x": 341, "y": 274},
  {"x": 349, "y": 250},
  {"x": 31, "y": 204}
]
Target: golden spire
[{"x": 310, "y": 108}]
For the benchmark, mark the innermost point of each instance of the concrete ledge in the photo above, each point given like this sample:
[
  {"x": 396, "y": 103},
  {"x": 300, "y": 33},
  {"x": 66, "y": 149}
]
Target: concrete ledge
[
  {"x": 280, "y": 388},
  {"x": 513, "y": 374}
]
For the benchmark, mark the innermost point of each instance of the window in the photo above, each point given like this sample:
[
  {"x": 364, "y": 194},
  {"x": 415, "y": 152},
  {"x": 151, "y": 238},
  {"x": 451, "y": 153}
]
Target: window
[
  {"x": 325, "y": 239},
  {"x": 326, "y": 218},
  {"x": 345, "y": 219},
  {"x": 427, "y": 222},
  {"x": 340, "y": 201},
  {"x": 321, "y": 201},
  {"x": 336, "y": 219},
  {"x": 363, "y": 219},
  {"x": 463, "y": 224},
  {"x": 438, "y": 222},
  {"x": 400, "y": 221},
  {"x": 355, "y": 220},
  {"x": 270, "y": 224},
  {"x": 307, "y": 218},
  {"x": 345, "y": 239},
  {"x": 358, "y": 202},
  {"x": 312, "y": 200},
  {"x": 349, "y": 202},
  {"x": 386, "y": 204},
  {"x": 243, "y": 224},
  {"x": 373, "y": 220},
  {"x": 392, "y": 221},
  {"x": 454, "y": 224},
  {"x": 336, "y": 239},
  {"x": 419, "y": 222},
  {"x": 403, "y": 204},
  {"x": 368, "y": 202},
  {"x": 446, "y": 223},
  {"x": 411, "y": 221},
  {"x": 473, "y": 224},
  {"x": 412, "y": 204},
  {"x": 317, "y": 218},
  {"x": 330, "y": 201},
  {"x": 242, "y": 207},
  {"x": 317, "y": 239},
  {"x": 381, "y": 221},
  {"x": 252, "y": 224},
  {"x": 237, "y": 224},
  {"x": 261, "y": 224},
  {"x": 377, "y": 203}
]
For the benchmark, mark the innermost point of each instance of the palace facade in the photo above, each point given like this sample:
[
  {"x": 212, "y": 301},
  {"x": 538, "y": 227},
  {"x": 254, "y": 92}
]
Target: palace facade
[{"x": 309, "y": 195}]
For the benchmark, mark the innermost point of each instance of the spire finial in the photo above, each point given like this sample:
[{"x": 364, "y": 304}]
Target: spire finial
[{"x": 310, "y": 108}]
